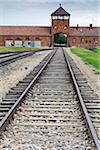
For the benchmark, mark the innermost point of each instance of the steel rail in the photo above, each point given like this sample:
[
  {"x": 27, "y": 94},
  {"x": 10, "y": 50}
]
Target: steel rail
[
  {"x": 9, "y": 60},
  {"x": 26, "y": 54},
  {"x": 21, "y": 51},
  {"x": 5, "y": 121},
  {"x": 10, "y": 54},
  {"x": 81, "y": 100}
]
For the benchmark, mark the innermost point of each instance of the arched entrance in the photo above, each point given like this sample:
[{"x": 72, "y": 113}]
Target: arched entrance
[{"x": 60, "y": 39}]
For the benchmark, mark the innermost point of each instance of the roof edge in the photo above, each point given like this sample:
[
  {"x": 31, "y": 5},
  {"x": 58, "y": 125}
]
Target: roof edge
[
  {"x": 58, "y": 9},
  {"x": 24, "y": 26}
]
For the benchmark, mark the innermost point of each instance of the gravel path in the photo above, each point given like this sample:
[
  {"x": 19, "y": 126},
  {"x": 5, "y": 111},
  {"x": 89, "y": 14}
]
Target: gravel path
[
  {"x": 88, "y": 71},
  {"x": 11, "y": 74}
]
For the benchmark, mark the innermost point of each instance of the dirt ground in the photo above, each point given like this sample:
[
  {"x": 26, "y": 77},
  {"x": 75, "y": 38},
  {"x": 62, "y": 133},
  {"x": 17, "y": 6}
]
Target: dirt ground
[{"x": 11, "y": 74}]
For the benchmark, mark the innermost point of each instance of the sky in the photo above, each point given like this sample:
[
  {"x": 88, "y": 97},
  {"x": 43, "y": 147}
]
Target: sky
[{"x": 38, "y": 12}]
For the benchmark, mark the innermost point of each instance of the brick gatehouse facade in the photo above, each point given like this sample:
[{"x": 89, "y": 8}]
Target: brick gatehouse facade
[{"x": 37, "y": 36}]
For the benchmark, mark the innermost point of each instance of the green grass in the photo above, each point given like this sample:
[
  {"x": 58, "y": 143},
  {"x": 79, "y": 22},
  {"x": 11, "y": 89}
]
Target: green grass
[
  {"x": 98, "y": 73},
  {"x": 13, "y": 49},
  {"x": 91, "y": 57}
]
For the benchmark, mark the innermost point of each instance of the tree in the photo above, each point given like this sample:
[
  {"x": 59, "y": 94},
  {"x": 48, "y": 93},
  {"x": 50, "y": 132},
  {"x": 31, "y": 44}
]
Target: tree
[{"x": 60, "y": 38}]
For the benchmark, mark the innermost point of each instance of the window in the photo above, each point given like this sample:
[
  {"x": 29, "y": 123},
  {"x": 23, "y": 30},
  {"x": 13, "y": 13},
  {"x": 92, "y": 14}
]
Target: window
[
  {"x": 95, "y": 41},
  {"x": 37, "y": 38},
  {"x": 65, "y": 27},
  {"x": 74, "y": 40},
  {"x": 54, "y": 17},
  {"x": 86, "y": 41},
  {"x": 61, "y": 17},
  {"x": 81, "y": 40},
  {"x": 81, "y": 30},
  {"x": 66, "y": 17},
  {"x": 55, "y": 27},
  {"x": 89, "y": 41},
  {"x": 27, "y": 38},
  {"x": 18, "y": 38}
]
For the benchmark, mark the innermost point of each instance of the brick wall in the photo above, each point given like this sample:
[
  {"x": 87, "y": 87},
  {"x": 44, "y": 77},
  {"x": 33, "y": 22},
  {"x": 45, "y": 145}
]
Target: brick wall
[
  {"x": 85, "y": 41},
  {"x": 59, "y": 26},
  {"x": 79, "y": 41},
  {"x": 45, "y": 40}
]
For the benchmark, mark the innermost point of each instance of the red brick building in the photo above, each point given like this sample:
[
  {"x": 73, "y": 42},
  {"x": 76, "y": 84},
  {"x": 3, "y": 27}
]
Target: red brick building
[{"x": 37, "y": 36}]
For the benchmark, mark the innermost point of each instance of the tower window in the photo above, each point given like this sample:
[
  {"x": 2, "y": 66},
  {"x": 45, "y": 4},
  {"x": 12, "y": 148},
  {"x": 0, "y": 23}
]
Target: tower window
[
  {"x": 54, "y": 17},
  {"x": 65, "y": 27},
  {"x": 59, "y": 17},
  {"x": 55, "y": 27},
  {"x": 66, "y": 17}
]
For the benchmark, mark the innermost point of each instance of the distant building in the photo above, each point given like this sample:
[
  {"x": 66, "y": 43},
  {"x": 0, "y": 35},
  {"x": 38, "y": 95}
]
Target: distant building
[{"x": 37, "y": 36}]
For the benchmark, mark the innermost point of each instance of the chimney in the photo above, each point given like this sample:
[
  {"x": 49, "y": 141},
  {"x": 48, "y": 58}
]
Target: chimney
[
  {"x": 91, "y": 26},
  {"x": 77, "y": 27}
]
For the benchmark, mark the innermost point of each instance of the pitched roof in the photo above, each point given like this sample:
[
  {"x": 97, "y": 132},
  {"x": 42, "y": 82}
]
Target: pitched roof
[
  {"x": 46, "y": 31},
  {"x": 25, "y": 30},
  {"x": 60, "y": 11},
  {"x": 84, "y": 31}
]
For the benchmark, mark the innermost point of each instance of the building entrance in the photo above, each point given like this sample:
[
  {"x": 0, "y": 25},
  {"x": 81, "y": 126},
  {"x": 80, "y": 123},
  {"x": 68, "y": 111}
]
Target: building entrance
[{"x": 60, "y": 39}]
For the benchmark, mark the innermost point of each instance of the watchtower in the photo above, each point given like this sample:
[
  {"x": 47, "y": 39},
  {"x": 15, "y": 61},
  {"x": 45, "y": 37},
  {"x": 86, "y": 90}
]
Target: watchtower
[{"x": 60, "y": 23}]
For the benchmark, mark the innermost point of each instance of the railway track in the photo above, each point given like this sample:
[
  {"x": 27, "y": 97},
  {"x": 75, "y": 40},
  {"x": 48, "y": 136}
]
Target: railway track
[
  {"x": 52, "y": 114},
  {"x": 6, "y": 55},
  {"x": 12, "y": 57},
  {"x": 9, "y": 54}
]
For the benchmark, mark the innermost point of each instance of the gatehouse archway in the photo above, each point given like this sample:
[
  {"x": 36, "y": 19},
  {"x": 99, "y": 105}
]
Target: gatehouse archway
[{"x": 60, "y": 39}]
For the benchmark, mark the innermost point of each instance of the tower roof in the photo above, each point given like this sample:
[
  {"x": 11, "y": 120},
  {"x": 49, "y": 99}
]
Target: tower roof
[{"x": 60, "y": 11}]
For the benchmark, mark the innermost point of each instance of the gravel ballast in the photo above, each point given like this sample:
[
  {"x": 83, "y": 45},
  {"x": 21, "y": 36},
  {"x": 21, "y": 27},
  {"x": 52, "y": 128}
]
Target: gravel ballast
[
  {"x": 11, "y": 74},
  {"x": 88, "y": 71}
]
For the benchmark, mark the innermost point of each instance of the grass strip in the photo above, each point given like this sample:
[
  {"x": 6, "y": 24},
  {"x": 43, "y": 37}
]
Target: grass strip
[{"x": 91, "y": 57}]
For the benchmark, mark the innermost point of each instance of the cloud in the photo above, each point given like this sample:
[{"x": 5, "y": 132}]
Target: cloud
[
  {"x": 70, "y": 4},
  {"x": 52, "y": 1},
  {"x": 38, "y": 11}
]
